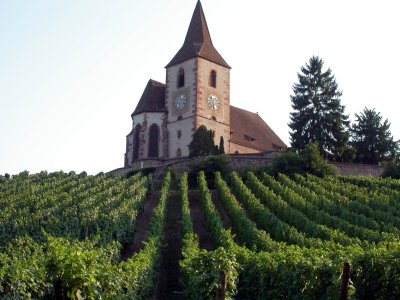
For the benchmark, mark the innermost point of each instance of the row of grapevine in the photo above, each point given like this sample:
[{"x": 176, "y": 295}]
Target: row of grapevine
[
  {"x": 380, "y": 198},
  {"x": 282, "y": 271},
  {"x": 201, "y": 269},
  {"x": 373, "y": 219},
  {"x": 63, "y": 233},
  {"x": 294, "y": 196},
  {"x": 374, "y": 206},
  {"x": 385, "y": 186},
  {"x": 73, "y": 214},
  {"x": 322, "y": 208},
  {"x": 373, "y": 183},
  {"x": 89, "y": 268},
  {"x": 312, "y": 272}
]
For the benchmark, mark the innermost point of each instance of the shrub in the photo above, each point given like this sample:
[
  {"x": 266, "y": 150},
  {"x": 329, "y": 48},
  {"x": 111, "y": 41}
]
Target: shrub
[
  {"x": 392, "y": 169},
  {"x": 209, "y": 165},
  {"x": 202, "y": 143},
  {"x": 288, "y": 163},
  {"x": 307, "y": 161}
]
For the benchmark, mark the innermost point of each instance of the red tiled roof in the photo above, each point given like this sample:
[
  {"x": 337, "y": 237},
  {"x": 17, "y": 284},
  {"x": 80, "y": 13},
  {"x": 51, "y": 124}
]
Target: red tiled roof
[
  {"x": 153, "y": 98},
  {"x": 249, "y": 130},
  {"x": 198, "y": 42}
]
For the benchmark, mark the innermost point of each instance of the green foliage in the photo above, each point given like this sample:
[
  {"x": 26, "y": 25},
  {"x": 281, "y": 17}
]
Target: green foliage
[
  {"x": 201, "y": 269},
  {"x": 187, "y": 225},
  {"x": 315, "y": 164},
  {"x": 144, "y": 172},
  {"x": 202, "y": 143},
  {"x": 205, "y": 268},
  {"x": 275, "y": 255},
  {"x": 318, "y": 114},
  {"x": 249, "y": 233},
  {"x": 209, "y": 165},
  {"x": 221, "y": 145},
  {"x": 376, "y": 272},
  {"x": 392, "y": 169},
  {"x": 23, "y": 270},
  {"x": 288, "y": 163},
  {"x": 102, "y": 207},
  {"x": 371, "y": 138},
  {"x": 307, "y": 161},
  {"x": 79, "y": 266}
]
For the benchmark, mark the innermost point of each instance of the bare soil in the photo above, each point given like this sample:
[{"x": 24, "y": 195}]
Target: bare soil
[
  {"x": 199, "y": 221},
  {"x": 142, "y": 227}
]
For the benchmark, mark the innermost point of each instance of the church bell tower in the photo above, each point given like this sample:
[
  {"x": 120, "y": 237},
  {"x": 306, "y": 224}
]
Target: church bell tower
[{"x": 197, "y": 89}]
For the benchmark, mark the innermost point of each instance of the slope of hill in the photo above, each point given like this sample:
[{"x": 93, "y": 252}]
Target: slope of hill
[{"x": 77, "y": 236}]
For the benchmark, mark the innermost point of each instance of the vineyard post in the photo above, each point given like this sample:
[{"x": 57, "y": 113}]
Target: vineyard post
[
  {"x": 59, "y": 290},
  {"x": 221, "y": 293},
  {"x": 345, "y": 281}
]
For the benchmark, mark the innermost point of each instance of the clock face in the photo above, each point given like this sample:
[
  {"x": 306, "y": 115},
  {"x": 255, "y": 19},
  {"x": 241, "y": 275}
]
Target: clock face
[
  {"x": 180, "y": 101},
  {"x": 213, "y": 102}
]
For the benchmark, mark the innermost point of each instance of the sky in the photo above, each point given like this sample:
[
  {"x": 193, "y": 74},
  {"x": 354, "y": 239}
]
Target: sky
[{"x": 72, "y": 72}]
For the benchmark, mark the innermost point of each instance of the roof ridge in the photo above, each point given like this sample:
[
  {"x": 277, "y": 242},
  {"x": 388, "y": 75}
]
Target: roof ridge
[{"x": 156, "y": 82}]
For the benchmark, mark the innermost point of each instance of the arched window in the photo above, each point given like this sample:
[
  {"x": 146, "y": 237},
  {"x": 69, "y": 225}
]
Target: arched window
[
  {"x": 179, "y": 152},
  {"x": 213, "y": 78},
  {"x": 181, "y": 78},
  {"x": 136, "y": 141},
  {"x": 153, "y": 140}
]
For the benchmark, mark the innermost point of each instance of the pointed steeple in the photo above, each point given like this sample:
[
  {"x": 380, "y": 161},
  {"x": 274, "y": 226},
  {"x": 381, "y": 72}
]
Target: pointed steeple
[{"x": 198, "y": 42}]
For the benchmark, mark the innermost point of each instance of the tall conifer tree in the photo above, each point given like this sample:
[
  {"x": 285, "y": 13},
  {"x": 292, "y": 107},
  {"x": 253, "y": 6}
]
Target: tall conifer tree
[
  {"x": 221, "y": 145},
  {"x": 372, "y": 139},
  {"x": 318, "y": 114}
]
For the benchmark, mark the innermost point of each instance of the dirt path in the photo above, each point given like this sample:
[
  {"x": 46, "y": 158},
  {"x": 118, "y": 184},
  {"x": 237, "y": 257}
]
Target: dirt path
[
  {"x": 142, "y": 227},
  {"x": 168, "y": 284},
  {"x": 199, "y": 222}
]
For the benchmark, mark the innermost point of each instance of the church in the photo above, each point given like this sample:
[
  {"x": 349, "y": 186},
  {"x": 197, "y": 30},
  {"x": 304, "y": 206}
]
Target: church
[{"x": 196, "y": 92}]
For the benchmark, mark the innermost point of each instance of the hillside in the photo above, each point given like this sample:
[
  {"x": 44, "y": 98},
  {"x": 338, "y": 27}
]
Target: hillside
[{"x": 78, "y": 236}]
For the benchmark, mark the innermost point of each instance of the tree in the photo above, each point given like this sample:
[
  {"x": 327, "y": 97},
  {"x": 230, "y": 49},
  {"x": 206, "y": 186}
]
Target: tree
[
  {"x": 202, "y": 143},
  {"x": 372, "y": 139},
  {"x": 221, "y": 145},
  {"x": 318, "y": 115}
]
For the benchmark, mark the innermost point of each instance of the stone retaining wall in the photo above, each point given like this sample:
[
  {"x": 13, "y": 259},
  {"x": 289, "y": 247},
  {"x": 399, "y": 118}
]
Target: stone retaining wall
[
  {"x": 359, "y": 170},
  {"x": 244, "y": 161}
]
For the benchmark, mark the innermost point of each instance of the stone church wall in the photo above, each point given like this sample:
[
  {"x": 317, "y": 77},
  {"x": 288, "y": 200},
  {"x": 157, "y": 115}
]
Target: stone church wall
[
  {"x": 153, "y": 118},
  {"x": 180, "y": 143},
  {"x": 181, "y": 119},
  {"x": 146, "y": 120},
  {"x": 216, "y": 120},
  {"x": 240, "y": 149}
]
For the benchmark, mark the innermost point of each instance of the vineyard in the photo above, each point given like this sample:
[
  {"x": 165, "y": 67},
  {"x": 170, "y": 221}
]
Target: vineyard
[{"x": 252, "y": 237}]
